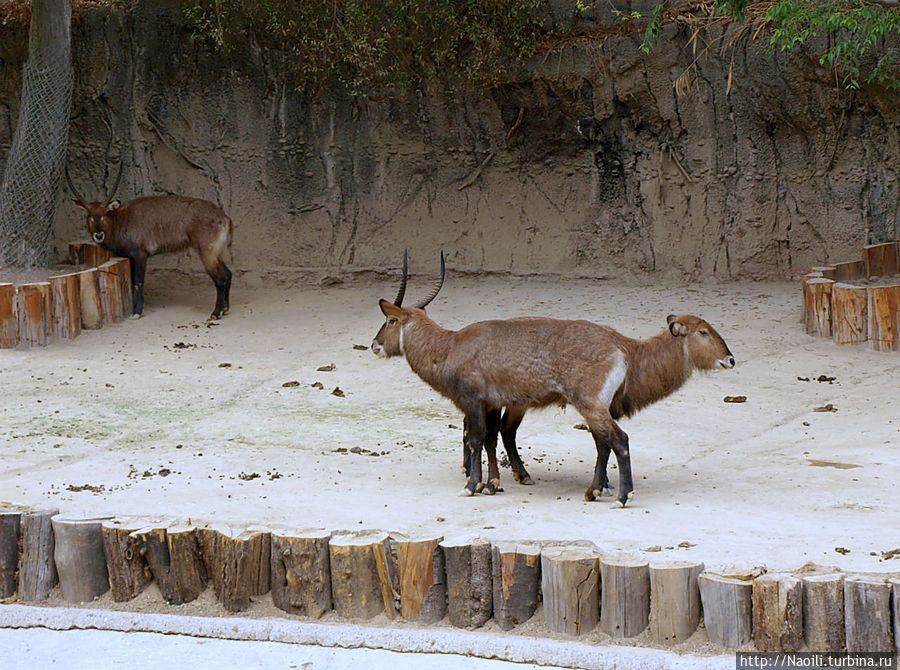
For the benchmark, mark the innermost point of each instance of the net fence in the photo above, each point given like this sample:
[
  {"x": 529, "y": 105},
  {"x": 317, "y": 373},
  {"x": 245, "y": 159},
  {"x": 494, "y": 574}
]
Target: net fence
[{"x": 34, "y": 165}]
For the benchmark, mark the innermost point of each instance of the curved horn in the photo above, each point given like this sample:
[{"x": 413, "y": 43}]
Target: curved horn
[
  {"x": 81, "y": 201},
  {"x": 437, "y": 287},
  {"x": 116, "y": 184},
  {"x": 399, "y": 299}
]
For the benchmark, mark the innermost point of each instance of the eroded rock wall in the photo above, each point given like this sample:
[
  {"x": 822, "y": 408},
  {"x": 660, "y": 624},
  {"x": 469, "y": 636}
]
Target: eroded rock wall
[{"x": 777, "y": 172}]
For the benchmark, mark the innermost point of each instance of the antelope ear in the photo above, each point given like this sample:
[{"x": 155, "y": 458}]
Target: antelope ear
[
  {"x": 115, "y": 204},
  {"x": 675, "y": 326},
  {"x": 389, "y": 308}
]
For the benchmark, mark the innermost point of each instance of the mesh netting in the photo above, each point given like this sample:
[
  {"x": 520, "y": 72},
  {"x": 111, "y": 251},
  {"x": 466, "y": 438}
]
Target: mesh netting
[{"x": 34, "y": 166}]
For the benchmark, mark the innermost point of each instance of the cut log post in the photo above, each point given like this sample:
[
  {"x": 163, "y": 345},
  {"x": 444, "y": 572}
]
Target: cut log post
[
  {"x": 882, "y": 260},
  {"x": 850, "y": 271},
  {"x": 624, "y": 596},
  {"x": 33, "y": 309},
  {"x": 469, "y": 585},
  {"x": 363, "y": 575},
  {"x": 884, "y": 317},
  {"x": 516, "y": 572},
  {"x": 173, "y": 556},
  {"x": 237, "y": 563},
  {"x": 109, "y": 281},
  {"x": 87, "y": 253},
  {"x": 79, "y": 557},
  {"x": 65, "y": 306},
  {"x": 123, "y": 270},
  {"x": 827, "y": 271},
  {"x": 777, "y": 612},
  {"x": 849, "y": 314},
  {"x": 37, "y": 569},
  {"x": 89, "y": 294},
  {"x": 9, "y": 322},
  {"x": 570, "y": 580},
  {"x": 423, "y": 583},
  {"x": 9, "y": 552},
  {"x": 867, "y": 615},
  {"x": 128, "y": 571},
  {"x": 727, "y": 609},
  {"x": 674, "y": 600},
  {"x": 895, "y": 607},
  {"x": 818, "y": 306},
  {"x": 301, "y": 572},
  {"x": 804, "y": 285},
  {"x": 823, "y": 612}
]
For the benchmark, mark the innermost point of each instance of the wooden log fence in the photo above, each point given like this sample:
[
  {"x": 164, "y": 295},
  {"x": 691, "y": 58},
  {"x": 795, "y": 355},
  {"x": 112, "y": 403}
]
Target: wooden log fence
[{"x": 425, "y": 579}]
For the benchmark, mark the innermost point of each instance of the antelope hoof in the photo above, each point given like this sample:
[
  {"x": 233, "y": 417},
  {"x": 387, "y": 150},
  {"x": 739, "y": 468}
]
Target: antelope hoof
[
  {"x": 465, "y": 493},
  {"x": 592, "y": 494},
  {"x": 620, "y": 504},
  {"x": 524, "y": 479},
  {"x": 607, "y": 491},
  {"x": 136, "y": 315},
  {"x": 479, "y": 488},
  {"x": 492, "y": 487}
]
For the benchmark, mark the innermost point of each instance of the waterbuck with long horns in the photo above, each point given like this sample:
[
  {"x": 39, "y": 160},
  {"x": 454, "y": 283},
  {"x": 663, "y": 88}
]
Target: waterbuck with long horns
[
  {"x": 155, "y": 224},
  {"x": 530, "y": 362}
]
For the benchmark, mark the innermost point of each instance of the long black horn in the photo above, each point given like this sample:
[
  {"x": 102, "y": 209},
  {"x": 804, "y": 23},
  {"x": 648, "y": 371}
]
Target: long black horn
[
  {"x": 437, "y": 287},
  {"x": 399, "y": 299},
  {"x": 116, "y": 184},
  {"x": 81, "y": 201}
]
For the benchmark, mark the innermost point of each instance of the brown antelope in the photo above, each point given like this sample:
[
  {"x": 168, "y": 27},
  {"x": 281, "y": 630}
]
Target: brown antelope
[
  {"x": 155, "y": 224},
  {"x": 529, "y": 362}
]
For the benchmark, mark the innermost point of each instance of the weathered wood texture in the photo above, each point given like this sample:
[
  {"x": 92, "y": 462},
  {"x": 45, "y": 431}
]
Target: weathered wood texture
[
  {"x": 895, "y": 607},
  {"x": 570, "y": 580},
  {"x": 9, "y": 552},
  {"x": 823, "y": 612},
  {"x": 727, "y": 609},
  {"x": 624, "y": 596},
  {"x": 674, "y": 600},
  {"x": 173, "y": 556},
  {"x": 363, "y": 575},
  {"x": 301, "y": 572},
  {"x": 87, "y": 253},
  {"x": 33, "y": 309},
  {"x": 849, "y": 314},
  {"x": 849, "y": 271},
  {"x": 112, "y": 298},
  {"x": 516, "y": 572},
  {"x": 818, "y": 306},
  {"x": 37, "y": 569},
  {"x": 123, "y": 270},
  {"x": 89, "y": 297},
  {"x": 884, "y": 317},
  {"x": 804, "y": 286},
  {"x": 882, "y": 260},
  {"x": 423, "y": 582},
  {"x": 128, "y": 571},
  {"x": 867, "y": 615},
  {"x": 470, "y": 590},
  {"x": 9, "y": 322},
  {"x": 65, "y": 306},
  {"x": 80, "y": 561},
  {"x": 827, "y": 271},
  {"x": 237, "y": 563},
  {"x": 777, "y": 613}
]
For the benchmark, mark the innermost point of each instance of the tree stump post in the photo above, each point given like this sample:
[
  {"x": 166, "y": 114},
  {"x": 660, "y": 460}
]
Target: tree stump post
[
  {"x": 624, "y": 596},
  {"x": 173, "y": 556},
  {"x": 570, "y": 580},
  {"x": 850, "y": 271},
  {"x": 727, "y": 609},
  {"x": 237, "y": 563},
  {"x": 9, "y": 322},
  {"x": 9, "y": 552},
  {"x": 65, "y": 306},
  {"x": 884, "y": 317},
  {"x": 111, "y": 298},
  {"x": 777, "y": 612},
  {"x": 89, "y": 297},
  {"x": 674, "y": 600},
  {"x": 123, "y": 270},
  {"x": 87, "y": 253},
  {"x": 32, "y": 306},
  {"x": 363, "y": 575},
  {"x": 882, "y": 260},
  {"x": 469, "y": 585},
  {"x": 849, "y": 314},
  {"x": 80, "y": 561},
  {"x": 423, "y": 583},
  {"x": 867, "y": 615},
  {"x": 128, "y": 571},
  {"x": 516, "y": 572},
  {"x": 818, "y": 306},
  {"x": 804, "y": 286},
  {"x": 823, "y": 612},
  {"x": 301, "y": 572},
  {"x": 37, "y": 569},
  {"x": 895, "y": 606}
]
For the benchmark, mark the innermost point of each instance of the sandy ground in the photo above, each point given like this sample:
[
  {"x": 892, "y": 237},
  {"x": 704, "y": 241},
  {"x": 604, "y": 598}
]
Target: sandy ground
[{"x": 234, "y": 423}]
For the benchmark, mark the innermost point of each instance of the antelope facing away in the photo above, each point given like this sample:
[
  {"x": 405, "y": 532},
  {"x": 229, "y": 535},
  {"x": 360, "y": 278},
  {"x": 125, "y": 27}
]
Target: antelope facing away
[
  {"x": 531, "y": 362},
  {"x": 155, "y": 224}
]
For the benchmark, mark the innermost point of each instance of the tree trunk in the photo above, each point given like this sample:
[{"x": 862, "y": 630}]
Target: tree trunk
[
  {"x": 89, "y": 294},
  {"x": 570, "y": 580},
  {"x": 884, "y": 317},
  {"x": 625, "y": 596},
  {"x": 237, "y": 563},
  {"x": 849, "y": 314},
  {"x": 674, "y": 600},
  {"x": 777, "y": 613},
  {"x": 128, "y": 571},
  {"x": 360, "y": 575},
  {"x": 173, "y": 556},
  {"x": 9, "y": 552},
  {"x": 423, "y": 584},
  {"x": 850, "y": 271},
  {"x": 882, "y": 260},
  {"x": 9, "y": 322},
  {"x": 65, "y": 306},
  {"x": 867, "y": 615},
  {"x": 517, "y": 582},
  {"x": 804, "y": 286},
  {"x": 823, "y": 612},
  {"x": 79, "y": 556},
  {"x": 469, "y": 586},
  {"x": 301, "y": 572},
  {"x": 88, "y": 253},
  {"x": 818, "y": 306},
  {"x": 33, "y": 307},
  {"x": 37, "y": 569},
  {"x": 111, "y": 295},
  {"x": 727, "y": 609}
]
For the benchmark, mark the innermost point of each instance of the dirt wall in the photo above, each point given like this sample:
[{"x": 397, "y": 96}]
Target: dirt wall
[{"x": 782, "y": 171}]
